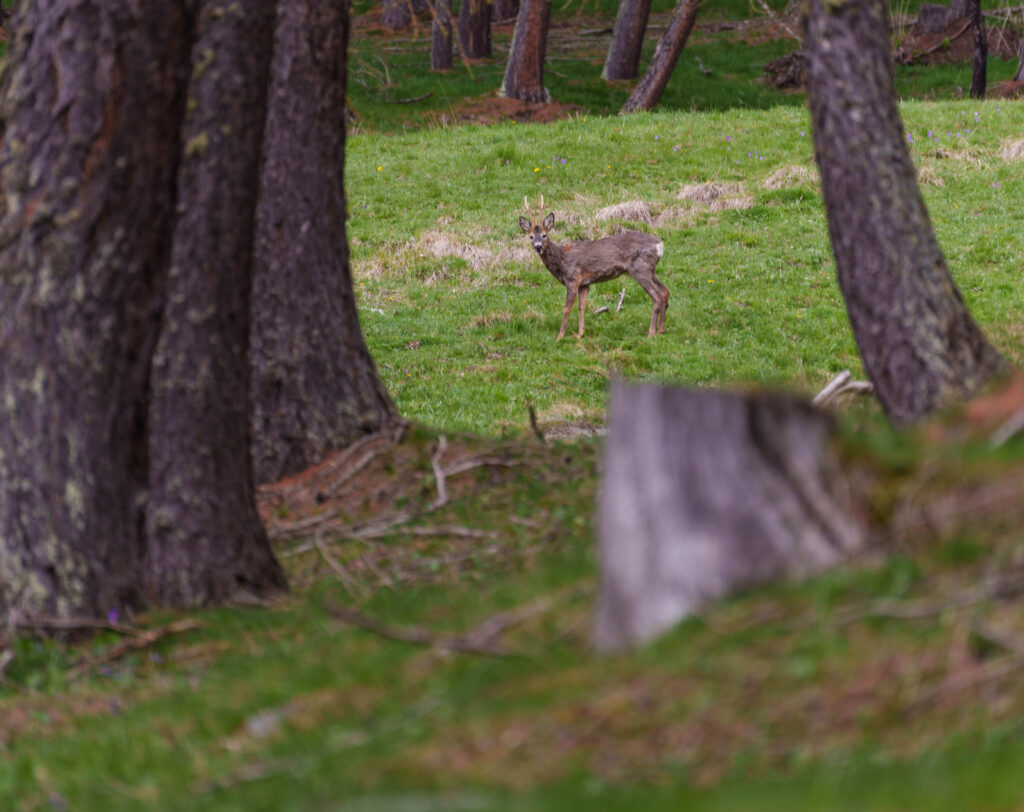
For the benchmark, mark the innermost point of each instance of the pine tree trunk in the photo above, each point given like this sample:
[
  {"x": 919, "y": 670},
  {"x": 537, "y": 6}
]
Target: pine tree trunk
[
  {"x": 524, "y": 73},
  {"x": 647, "y": 93},
  {"x": 441, "y": 48},
  {"x": 623, "y": 60},
  {"x": 1019, "y": 75},
  {"x": 504, "y": 10},
  {"x": 314, "y": 385},
  {"x": 201, "y": 500},
  {"x": 920, "y": 346},
  {"x": 395, "y": 14},
  {"x": 475, "y": 29},
  {"x": 83, "y": 258},
  {"x": 705, "y": 493},
  {"x": 979, "y": 63}
]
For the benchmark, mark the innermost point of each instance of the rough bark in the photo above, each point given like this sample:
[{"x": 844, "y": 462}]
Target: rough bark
[
  {"x": 524, "y": 73},
  {"x": 130, "y": 144},
  {"x": 979, "y": 61},
  {"x": 201, "y": 501},
  {"x": 398, "y": 14},
  {"x": 920, "y": 346},
  {"x": 1019, "y": 75},
  {"x": 623, "y": 60},
  {"x": 504, "y": 10},
  {"x": 441, "y": 46},
  {"x": 705, "y": 493},
  {"x": 647, "y": 93},
  {"x": 314, "y": 384},
  {"x": 87, "y": 206},
  {"x": 475, "y": 29}
]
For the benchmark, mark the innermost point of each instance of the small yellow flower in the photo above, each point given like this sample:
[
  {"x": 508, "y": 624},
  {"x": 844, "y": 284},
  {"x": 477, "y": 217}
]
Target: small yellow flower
[
  {"x": 536, "y": 169},
  {"x": 711, "y": 281},
  {"x": 380, "y": 168}
]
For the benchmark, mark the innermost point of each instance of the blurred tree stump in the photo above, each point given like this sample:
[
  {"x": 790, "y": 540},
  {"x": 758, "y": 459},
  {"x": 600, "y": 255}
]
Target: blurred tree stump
[{"x": 705, "y": 493}]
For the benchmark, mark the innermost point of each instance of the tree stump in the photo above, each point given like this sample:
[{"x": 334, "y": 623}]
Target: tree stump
[{"x": 705, "y": 493}]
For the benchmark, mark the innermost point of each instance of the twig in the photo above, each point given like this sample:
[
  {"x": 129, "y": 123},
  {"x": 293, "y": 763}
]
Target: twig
[
  {"x": 246, "y": 774},
  {"x": 840, "y": 384},
  {"x": 533, "y": 423},
  {"x": 479, "y": 462},
  {"x": 604, "y": 309},
  {"x": 779, "y": 19},
  {"x": 1014, "y": 424},
  {"x": 435, "y": 463},
  {"x": 74, "y": 624},
  {"x": 347, "y": 580},
  {"x": 143, "y": 640},
  {"x": 622, "y": 295},
  {"x": 412, "y": 100},
  {"x": 412, "y": 634}
]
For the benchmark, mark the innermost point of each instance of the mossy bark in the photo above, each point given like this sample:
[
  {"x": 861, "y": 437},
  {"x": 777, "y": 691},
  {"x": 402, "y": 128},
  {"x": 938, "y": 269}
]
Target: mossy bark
[
  {"x": 623, "y": 60},
  {"x": 920, "y": 346},
  {"x": 314, "y": 384},
  {"x": 524, "y": 72},
  {"x": 441, "y": 36},
  {"x": 647, "y": 93}
]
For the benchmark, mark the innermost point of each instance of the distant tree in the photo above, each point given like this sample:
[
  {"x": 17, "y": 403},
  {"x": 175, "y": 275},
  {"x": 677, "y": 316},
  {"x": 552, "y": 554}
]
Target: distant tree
[
  {"x": 920, "y": 346},
  {"x": 979, "y": 64},
  {"x": 398, "y": 14},
  {"x": 505, "y": 9},
  {"x": 647, "y": 93},
  {"x": 623, "y": 60},
  {"x": 524, "y": 73},
  {"x": 441, "y": 30},
  {"x": 475, "y": 29},
  {"x": 314, "y": 386}
]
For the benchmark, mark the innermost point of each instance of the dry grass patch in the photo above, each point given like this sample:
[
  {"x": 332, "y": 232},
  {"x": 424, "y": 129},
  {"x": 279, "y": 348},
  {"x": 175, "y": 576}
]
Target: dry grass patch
[
  {"x": 716, "y": 196},
  {"x": 633, "y": 211},
  {"x": 928, "y": 176},
  {"x": 487, "y": 319},
  {"x": 440, "y": 245},
  {"x": 961, "y": 156},
  {"x": 1012, "y": 150},
  {"x": 787, "y": 177}
]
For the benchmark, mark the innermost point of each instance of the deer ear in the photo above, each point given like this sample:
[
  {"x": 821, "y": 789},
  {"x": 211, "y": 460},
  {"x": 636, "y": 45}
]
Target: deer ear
[
  {"x": 549, "y": 221},
  {"x": 524, "y": 224}
]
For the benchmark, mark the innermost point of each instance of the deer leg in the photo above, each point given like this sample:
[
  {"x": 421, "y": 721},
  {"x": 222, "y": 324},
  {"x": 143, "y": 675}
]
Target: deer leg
[
  {"x": 664, "y": 305},
  {"x": 583, "y": 308},
  {"x": 570, "y": 298},
  {"x": 650, "y": 285}
]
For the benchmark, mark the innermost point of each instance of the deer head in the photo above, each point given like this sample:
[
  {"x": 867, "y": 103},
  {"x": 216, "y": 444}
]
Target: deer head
[{"x": 537, "y": 232}]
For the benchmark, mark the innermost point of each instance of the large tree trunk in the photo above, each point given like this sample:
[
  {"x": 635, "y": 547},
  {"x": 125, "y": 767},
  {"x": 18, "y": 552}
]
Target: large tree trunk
[
  {"x": 524, "y": 73},
  {"x": 647, "y": 93},
  {"x": 475, "y": 29},
  {"x": 314, "y": 385},
  {"x": 979, "y": 63},
  {"x": 705, "y": 493},
  {"x": 920, "y": 346},
  {"x": 201, "y": 502},
  {"x": 441, "y": 46},
  {"x": 623, "y": 60}
]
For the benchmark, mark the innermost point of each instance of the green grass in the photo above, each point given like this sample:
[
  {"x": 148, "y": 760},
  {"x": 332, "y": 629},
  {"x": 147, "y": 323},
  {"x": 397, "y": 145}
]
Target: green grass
[{"x": 754, "y": 298}]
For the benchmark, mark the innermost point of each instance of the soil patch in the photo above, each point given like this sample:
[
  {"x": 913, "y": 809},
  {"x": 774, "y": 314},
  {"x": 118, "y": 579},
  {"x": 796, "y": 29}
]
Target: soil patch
[{"x": 492, "y": 109}]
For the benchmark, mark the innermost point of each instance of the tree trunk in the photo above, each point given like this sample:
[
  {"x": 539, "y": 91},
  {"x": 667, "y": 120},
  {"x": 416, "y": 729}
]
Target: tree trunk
[
  {"x": 920, "y": 346},
  {"x": 475, "y": 29},
  {"x": 314, "y": 384},
  {"x": 504, "y": 10},
  {"x": 623, "y": 60},
  {"x": 441, "y": 50},
  {"x": 396, "y": 14},
  {"x": 647, "y": 93},
  {"x": 524, "y": 74},
  {"x": 201, "y": 500},
  {"x": 979, "y": 63},
  {"x": 705, "y": 493}
]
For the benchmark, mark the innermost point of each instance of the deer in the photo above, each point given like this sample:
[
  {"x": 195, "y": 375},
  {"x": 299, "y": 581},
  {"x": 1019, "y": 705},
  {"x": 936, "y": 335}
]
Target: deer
[{"x": 580, "y": 264}]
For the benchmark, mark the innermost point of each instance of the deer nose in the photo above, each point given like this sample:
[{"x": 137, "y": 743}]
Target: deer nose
[{"x": 537, "y": 247}]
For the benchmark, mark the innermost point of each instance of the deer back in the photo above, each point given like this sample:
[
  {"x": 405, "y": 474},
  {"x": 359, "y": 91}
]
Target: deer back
[{"x": 630, "y": 252}]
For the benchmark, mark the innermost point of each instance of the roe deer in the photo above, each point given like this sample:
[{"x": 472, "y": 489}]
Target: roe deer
[{"x": 578, "y": 265}]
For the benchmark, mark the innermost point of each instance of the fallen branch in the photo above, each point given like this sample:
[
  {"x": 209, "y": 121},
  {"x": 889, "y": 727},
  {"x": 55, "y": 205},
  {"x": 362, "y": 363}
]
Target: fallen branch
[
  {"x": 439, "y": 476},
  {"x": 622, "y": 295},
  {"x": 347, "y": 580},
  {"x": 412, "y": 100},
  {"x": 1013, "y": 425},
  {"x": 143, "y": 640},
  {"x": 74, "y": 624},
  {"x": 413, "y": 634},
  {"x": 839, "y": 385}
]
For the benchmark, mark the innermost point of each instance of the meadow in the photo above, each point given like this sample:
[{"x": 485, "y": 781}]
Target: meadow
[{"x": 433, "y": 652}]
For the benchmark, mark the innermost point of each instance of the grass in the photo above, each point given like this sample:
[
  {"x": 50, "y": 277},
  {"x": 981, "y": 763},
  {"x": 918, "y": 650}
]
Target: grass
[
  {"x": 462, "y": 318},
  {"x": 793, "y": 697}
]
